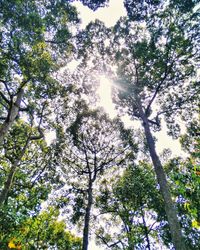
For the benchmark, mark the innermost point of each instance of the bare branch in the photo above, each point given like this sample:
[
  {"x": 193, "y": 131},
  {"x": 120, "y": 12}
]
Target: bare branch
[
  {"x": 167, "y": 70},
  {"x": 6, "y": 86},
  {"x": 106, "y": 243},
  {"x": 86, "y": 156},
  {"x": 156, "y": 122},
  {"x": 4, "y": 98},
  {"x": 39, "y": 136}
]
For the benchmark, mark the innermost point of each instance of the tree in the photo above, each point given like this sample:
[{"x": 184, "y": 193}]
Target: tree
[
  {"x": 27, "y": 176},
  {"x": 149, "y": 71},
  {"x": 44, "y": 231},
  {"x": 142, "y": 10},
  {"x": 30, "y": 32},
  {"x": 91, "y": 146},
  {"x": 184, "y": 176},
  {"x": 32, "y": 35},
  {"x": 15, "y": 148},
  {"x": 134, "y": 198}
]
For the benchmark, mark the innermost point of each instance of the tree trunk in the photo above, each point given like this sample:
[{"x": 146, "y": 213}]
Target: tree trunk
[
  {"x": 8, "y": 184},
  {"x": 146, "y": 230},
  {"x": 131, "y": 245},
  {"x": 12, "y": 114},
  {"x": 170, "y": 207},
  {"x": 9, "y": 181},
  {"x": 87, "y": 218}
]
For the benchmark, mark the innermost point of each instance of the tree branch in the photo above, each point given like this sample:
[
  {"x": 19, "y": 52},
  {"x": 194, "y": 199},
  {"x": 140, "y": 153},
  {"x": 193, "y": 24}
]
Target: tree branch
[
  {"x": 158, "y": 87},
  {"x": 106, "y": 243},
  {"x": 6, "y": 86},
  {"x": 4, "y": 98}
]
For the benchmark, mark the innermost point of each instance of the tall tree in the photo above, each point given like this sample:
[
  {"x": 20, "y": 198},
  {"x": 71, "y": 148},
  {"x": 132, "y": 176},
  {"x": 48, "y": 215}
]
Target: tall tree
[
  {"x": 150, "y": 72},
  {"x": 135, "y": 199},
  {"x": 26, "y": 176},
  {"x": 29, "y": 32},
  {"x": 16, "y": 145},
  {"x": 92, "y": 145}
]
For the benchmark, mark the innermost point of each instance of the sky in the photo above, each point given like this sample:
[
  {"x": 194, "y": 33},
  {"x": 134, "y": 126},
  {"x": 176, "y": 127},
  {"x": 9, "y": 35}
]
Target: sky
[{"x": 109, "y": 15}]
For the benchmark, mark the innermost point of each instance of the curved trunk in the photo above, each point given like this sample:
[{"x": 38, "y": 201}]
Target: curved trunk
[
  {"x": 87, "y": 219},
  {"x": 12, "y": 114},
  {"x": 170, "y": 207}
]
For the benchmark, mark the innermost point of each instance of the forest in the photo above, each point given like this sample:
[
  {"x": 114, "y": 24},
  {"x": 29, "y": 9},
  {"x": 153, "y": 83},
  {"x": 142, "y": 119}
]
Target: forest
[{"x": 71, "y": 176}]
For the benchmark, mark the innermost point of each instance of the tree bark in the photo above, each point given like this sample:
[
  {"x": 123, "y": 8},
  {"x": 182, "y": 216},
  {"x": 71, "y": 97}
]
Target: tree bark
[
  {"x": 8, "y": 184},
  {"x": 12, "y": 114},
  {"x": 170, "y": 208},
  {"x": 9, "y": 181},
  {"x": 145, "y": 230},
  {"x": 87, "y": 218}
]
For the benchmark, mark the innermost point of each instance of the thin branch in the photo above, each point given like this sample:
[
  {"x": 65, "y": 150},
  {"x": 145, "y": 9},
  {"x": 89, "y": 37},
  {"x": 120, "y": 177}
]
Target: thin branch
[
  {"x": 4, "y": 98},
  {"x": 38, "y": 137},
  {"x": 24, "y": 109},
  {"x": 156, "y": 122},
  {"x": 22, "y": 85},
  {"x": 78, "y": 156},
  {"x": 106, "y": 243},
  {"x": 6, "y": 86},
  {"x": 167, "y": 69},
  {"x": 41, "y": 134},
  {"x": 113, "y": 159},
  {"x": 86, "y": 156}
]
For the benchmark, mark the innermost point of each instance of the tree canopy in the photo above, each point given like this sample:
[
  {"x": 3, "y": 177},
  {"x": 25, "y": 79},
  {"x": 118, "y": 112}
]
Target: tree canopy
[{"x": 68, "y": 172}]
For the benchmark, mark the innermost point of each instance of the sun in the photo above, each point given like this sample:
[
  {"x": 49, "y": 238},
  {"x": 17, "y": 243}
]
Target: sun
[{"x": 105, "y": 95}]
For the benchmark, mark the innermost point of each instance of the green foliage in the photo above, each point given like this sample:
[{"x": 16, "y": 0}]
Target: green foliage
[
  {"x": 93, "y": 4},
  {"x": 155, "y": 50},
  {"x": 32, "y": 177},
  {"x": 134, "y": 198},
  {"x": 185, "y": 178},
  {"x": 185, "y": 184},
  {"x": 143, "y": 10},
  {"x": 43, "y": 231},
  {"x": 33, "y": 35}
]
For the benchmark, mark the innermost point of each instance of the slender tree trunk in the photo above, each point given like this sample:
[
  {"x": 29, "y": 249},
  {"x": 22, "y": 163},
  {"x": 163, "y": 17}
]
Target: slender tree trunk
[
  {"x": 9, "y": 181},
  {"x": 131, "y": 245},
  {"x": 87, "y": 219},
  {"x": 12, "y": 114},
  {"x": 146, "y": 231},
  {"x": 8, "y": 184},
  {"x": 170, "y": 208}
]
